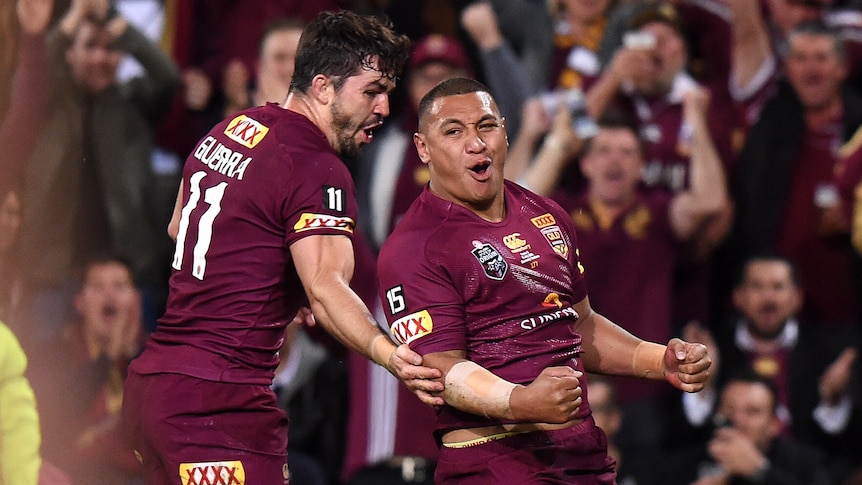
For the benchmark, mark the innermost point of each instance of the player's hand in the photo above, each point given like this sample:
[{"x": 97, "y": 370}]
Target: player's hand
[
  {"x": 686, "y": 365},
  {"x": 425, "y": 382},
  {"x": 554, "y": 397},
  {"x": 694, "y": 331},
  {"x": 304, "y": 317}
]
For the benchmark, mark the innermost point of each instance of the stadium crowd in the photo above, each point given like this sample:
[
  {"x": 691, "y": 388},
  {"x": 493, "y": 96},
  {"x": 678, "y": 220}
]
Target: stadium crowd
[{"x": 709, "y": 153}]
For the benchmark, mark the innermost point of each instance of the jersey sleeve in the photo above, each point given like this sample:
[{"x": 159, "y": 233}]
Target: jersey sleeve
[
  {"x": 323, "y": 201},
  {"x": 423, "y": 306}
]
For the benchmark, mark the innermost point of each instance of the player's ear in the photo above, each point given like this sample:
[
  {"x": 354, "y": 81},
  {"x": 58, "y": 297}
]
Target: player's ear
[
  {"x": 322, "y": 89},
  {"x": 421, "y": 147}
]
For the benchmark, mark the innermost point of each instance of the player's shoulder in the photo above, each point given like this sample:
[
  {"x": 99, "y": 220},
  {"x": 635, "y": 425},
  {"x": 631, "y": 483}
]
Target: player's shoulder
[
  {"x": 423, "y": 226},
  {"x": 530, "y": 201}
]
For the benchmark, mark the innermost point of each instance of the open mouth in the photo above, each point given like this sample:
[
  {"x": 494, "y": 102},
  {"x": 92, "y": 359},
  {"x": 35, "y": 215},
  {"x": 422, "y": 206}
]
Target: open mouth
[
  {"x": 368, "y": 130},
  {"x": 482, "y": 167},
  {"x": 109, "y": 311}
]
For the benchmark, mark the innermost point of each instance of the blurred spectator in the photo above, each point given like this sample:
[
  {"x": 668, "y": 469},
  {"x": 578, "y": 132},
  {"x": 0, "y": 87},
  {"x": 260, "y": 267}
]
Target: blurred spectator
[
  {"x": 9, "y": 29},
  {"x": 311, "y": 384},
  {"x": 783, "y": 16},
  {"x": 87, "y": 181},
  {"x": 18, "y": 130},
  {"x": 580, "y": 27},
  {"x": 625, "y": 229},
  {"x": 502, "y": 70},
  {"x": 848, "y": 181},
  {"x": 811, "y": 367},
  {"x": 707, "y": 29},
  {"x": 543, "y": 167},
  {"x": 528, "y": 27},
  {"x": 783, "y": 184},
  {"x": 389, "y": 173},
  {"x": 78, "y": 378},
  {"x": 208, "y": 38},
  {"x": 647, "y": 80},
  {"x": 746, "y": 446},
  {"x": 19, "y": 420},
  {"x": 609, "y": 416},
  {"x": 10, "y": 224},
  {"x": 273, "y": 69}
]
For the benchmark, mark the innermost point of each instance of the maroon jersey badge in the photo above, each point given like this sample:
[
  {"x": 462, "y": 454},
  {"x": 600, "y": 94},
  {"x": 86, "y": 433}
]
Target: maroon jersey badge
[{"x": 491, "y": 260}]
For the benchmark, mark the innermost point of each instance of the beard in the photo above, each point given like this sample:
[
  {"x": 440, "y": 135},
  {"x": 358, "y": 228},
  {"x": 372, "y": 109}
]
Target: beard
[{"x": 345, "y": 132}]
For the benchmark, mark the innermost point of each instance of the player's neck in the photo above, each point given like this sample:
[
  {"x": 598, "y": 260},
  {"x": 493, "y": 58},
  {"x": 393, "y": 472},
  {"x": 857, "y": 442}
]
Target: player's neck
[{"x": 316, "y": 113}]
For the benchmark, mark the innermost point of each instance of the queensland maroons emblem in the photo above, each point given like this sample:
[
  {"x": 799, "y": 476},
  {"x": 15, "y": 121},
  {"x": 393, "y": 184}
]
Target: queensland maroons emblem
[{"x": 491, "y": 260}]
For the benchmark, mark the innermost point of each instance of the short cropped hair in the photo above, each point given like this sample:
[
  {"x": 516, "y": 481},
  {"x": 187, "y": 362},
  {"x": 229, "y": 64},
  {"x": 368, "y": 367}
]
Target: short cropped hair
[
  {"x": 450, "y": 87},
  {"x": 340, "y": 44},
  {"x": 767, "y": 257},
  {"x": 818, "y": 28}
]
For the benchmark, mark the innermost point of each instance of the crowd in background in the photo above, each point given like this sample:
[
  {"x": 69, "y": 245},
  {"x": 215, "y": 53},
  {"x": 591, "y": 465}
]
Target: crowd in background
[{"x": 709, "y": 153}]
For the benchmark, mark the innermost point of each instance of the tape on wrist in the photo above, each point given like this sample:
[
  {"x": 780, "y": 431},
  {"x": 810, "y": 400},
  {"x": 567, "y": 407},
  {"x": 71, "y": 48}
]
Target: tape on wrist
[
  {"x": 648, "y": 360},
  {"x": 471, "y": 384},
  {"x": 381, "y": 350}
]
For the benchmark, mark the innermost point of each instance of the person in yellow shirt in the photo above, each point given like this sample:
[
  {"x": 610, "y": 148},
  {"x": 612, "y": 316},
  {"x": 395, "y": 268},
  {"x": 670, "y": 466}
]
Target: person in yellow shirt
[{"x": 19, "y": 420}]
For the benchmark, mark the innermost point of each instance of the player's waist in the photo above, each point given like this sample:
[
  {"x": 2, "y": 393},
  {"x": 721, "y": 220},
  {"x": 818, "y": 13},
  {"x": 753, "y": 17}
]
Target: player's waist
[{"x": 466, "y": 437}]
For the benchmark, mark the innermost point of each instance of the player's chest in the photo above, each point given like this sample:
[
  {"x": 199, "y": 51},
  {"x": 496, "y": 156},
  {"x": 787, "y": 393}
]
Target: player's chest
[{"x": 533, "y": 248}]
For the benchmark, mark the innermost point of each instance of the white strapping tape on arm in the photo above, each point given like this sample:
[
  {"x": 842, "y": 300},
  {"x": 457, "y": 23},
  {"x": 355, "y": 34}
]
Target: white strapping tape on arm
[{"x": 477, "y": 388}]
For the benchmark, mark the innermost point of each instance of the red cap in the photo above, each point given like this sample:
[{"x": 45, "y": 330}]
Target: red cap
[{"x": 439, "y": 48}]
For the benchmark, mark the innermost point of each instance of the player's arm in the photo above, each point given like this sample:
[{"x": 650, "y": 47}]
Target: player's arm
[
  {"x": 325, "y": 266},
  {"x": 554, "y": 397},
  {"x": 610, "y": 349},
  {"x": 174, "y": 224}
]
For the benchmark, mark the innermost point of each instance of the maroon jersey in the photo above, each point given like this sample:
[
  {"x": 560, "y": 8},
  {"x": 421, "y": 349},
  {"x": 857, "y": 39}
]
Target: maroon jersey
[
  {"x": 666, "y": 136},
  {"x": 258, "y": 182},
  {"x": 629, "y": 268},
  {"x": 503, "y": 292}
]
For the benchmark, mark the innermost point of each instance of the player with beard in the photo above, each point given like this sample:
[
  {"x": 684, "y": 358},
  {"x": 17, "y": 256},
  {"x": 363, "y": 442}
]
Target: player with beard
[{"x": 263, "y": 226}]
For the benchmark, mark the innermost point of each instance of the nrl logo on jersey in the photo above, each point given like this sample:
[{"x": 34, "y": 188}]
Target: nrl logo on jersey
[
  {"x": 493, "y": 263},
  {"x": 245, "y": 131}
]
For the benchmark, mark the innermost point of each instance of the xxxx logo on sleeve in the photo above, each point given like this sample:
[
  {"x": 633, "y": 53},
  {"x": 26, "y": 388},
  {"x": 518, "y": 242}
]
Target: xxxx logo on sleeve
[
  {"x": 212, "y": 473},
  {"x": 308, "y": 221},
  {"x": 246, "y": 131},
  {"x": 409, "y": 328}
]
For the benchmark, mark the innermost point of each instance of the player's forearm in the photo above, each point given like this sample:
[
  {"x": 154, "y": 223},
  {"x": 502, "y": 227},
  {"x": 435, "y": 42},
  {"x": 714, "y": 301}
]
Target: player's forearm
[
  {"x": 345, "y": 317},
  {"x": 612, "y": 350},
  {"x": 473, "y": 389}
]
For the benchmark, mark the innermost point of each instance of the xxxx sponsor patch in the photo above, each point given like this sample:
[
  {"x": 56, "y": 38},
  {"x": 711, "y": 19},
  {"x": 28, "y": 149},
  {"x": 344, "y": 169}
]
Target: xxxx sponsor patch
[{"x": 212, "y": 473}]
